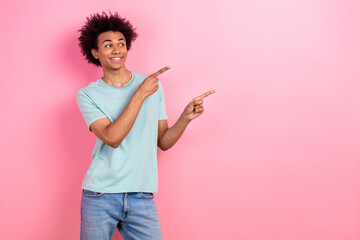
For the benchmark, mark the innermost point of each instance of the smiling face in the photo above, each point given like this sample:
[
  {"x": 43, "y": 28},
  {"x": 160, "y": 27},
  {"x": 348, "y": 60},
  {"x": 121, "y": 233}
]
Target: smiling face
[{"x": 112, "y": 51}]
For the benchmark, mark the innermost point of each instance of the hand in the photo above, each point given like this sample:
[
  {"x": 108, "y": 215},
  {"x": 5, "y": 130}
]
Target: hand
[
  {"x": 150, "y": 84},
  {"x": 195, "y": 108}
]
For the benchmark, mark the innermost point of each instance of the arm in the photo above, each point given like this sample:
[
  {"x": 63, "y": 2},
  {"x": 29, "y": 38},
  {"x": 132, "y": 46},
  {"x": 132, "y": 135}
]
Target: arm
[
  {"x": 113, "y": 133},
  {"x": 167, "y": 137}
]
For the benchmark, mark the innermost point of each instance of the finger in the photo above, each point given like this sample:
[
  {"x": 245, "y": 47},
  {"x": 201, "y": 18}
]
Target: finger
[
  {"x": 205, "y": 95},
  {"x": 198, "y": 106},
  {"x": 200, "y": 110},
  {"x": 161, "y": 71},
  {"x": 198, "y": 102}
]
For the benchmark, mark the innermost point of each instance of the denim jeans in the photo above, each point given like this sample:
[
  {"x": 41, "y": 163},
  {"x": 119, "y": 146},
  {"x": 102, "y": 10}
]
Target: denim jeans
[{"x": 133, "y": 214}]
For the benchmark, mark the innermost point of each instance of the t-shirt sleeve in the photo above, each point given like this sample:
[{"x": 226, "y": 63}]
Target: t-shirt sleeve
[
  {"x": 162, "y": 110},
  {"x": 88, "y": 108}
]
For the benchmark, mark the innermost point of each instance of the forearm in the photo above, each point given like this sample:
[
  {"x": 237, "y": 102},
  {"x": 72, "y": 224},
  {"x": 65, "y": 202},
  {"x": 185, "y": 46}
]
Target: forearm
[
  {"x": 172, "y": 135},
  {"x": 119, "y": 129}
]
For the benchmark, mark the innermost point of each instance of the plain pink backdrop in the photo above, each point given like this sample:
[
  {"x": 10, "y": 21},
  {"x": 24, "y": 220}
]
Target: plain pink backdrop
[{"x": 274, "y": 156}]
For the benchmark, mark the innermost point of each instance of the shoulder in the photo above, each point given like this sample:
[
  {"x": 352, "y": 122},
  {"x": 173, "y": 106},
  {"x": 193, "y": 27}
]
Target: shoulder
[
  {"x": 90, "y": 87},
  {"x": 84, "y": 93},
  {"x": 140, "y": 77}
]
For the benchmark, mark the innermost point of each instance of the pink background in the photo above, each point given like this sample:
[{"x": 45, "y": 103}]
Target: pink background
[{"x": 274, "y": 156}]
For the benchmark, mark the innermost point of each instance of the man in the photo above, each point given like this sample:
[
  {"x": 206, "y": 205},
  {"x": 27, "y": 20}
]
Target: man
[{"x": 126, "y": 112}]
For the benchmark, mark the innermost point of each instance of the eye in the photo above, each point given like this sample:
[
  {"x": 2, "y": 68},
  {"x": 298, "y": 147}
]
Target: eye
[{"x": 107, "y": 45}]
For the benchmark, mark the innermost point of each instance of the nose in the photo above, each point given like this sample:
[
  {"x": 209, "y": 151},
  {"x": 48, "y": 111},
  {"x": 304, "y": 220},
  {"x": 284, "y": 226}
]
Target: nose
[{"x": 116, "y": 49}]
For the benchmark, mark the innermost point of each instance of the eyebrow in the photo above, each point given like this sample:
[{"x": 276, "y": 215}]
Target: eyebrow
[{"x": 107, "y": 40}]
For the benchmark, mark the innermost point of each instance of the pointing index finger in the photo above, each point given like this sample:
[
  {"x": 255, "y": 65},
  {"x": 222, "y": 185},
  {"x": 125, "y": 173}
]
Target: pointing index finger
[
  {"x": 161, "y": 71},
  {"x": 204, "y": 95}
]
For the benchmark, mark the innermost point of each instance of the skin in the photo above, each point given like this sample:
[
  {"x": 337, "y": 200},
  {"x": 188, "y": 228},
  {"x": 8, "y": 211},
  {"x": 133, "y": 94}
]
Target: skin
[{"x": 111, "y": 45}]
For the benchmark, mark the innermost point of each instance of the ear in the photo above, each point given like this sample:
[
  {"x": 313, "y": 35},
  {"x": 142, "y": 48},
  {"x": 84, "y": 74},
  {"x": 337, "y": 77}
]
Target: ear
[{"x": 94, "y": 52}]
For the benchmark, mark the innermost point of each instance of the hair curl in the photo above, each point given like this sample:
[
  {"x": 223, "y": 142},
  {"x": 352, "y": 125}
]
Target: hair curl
[{"x": 99, "y": 23}]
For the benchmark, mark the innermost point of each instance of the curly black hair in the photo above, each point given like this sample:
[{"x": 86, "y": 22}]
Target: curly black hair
[{"x": 99, "y": 23}]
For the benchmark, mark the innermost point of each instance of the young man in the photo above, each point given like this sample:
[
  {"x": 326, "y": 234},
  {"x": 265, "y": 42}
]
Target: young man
[{"x": 126, "y": 112}]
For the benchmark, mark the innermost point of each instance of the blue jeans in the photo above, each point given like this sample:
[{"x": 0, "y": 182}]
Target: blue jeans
[{"x": 133, "y": 214}]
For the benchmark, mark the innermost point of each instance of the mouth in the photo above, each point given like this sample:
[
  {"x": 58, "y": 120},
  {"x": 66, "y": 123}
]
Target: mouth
[{"x": 116, "y": 59}]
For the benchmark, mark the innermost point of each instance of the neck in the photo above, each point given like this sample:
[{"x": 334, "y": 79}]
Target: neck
[{"x": 118, "y": 77}]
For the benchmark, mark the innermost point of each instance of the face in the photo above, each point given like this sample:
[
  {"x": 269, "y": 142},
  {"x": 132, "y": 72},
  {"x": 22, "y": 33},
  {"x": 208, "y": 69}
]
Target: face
[{"x": 112, "y": 51}]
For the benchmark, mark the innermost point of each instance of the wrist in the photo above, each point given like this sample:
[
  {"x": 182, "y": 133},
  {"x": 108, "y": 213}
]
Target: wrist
[
  {"x": 183, "y": 118},
  {"x": 139, "y": 94}
]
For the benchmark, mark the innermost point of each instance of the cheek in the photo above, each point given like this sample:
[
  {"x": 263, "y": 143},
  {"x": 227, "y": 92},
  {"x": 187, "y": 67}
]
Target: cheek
[{"x": 105, "y": 52}]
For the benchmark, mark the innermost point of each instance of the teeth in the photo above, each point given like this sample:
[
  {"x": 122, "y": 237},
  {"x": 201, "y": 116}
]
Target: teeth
[{"x": 116, "y": 58}]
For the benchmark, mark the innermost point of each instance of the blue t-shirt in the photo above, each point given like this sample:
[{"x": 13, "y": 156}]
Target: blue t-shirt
[{"x": 131, "y": 167}]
